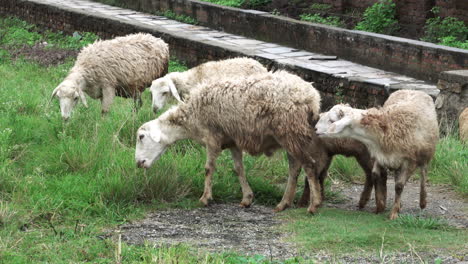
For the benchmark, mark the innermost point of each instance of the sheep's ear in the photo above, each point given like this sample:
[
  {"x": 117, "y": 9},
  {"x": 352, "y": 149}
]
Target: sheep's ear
[
  {"x": 340, "y": 113},
  {"x": 174, "y": 91},
  {"x": 341, "y": 124},
  {"x": 83, "y": 98},
  {"x": 54, "y": 93},
  {"x": 155, "y": 135}
]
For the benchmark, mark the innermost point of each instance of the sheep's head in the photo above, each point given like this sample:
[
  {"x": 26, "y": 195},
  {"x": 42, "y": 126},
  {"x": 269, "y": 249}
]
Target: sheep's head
[
  {"x": 161, "y": 90},
  {"x": 68, "y": 94},
  {"x": 340, "y": 121},
  {"x": 151, "y": 143}
]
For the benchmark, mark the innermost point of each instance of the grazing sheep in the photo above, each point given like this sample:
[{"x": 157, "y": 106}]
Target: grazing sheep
[
  {"x": 258, "y": 114},
  {"x": 463, "y": 123},
  {"x": 179, "y": 84},
  {"x": 402, "y": 135},
  {"x": 123, "y": 66},
  {"x": 352, "y": 148}
]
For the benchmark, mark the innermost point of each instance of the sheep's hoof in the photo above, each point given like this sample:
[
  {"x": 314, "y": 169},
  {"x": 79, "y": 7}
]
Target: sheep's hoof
[
  {"x": 205, "y": 201},
  {"x": 245, "y": 203},
  {"x": 280, "y": 207},
  {"x": 393, "y": 216},
  {"x": 422, "y": 204},
  {"x": 312, "y": 209}
]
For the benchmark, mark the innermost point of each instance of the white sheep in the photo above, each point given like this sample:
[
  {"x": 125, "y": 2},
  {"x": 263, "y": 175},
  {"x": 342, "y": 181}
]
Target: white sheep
[
  {"x": 179, "y": 84},
  {"x": 258, "y": 114},
  {"x": 402, "y": 135},
  {"x": 123, "y": 66}
]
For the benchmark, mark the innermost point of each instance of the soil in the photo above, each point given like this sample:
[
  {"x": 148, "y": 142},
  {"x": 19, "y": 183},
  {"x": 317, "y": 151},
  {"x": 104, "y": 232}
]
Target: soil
[
  {"x": 41, "y": 54},
  {"x": 257, "y": 231}
]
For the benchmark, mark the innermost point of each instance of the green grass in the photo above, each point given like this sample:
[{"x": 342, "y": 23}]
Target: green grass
[
  {"x": 340, "y": 232},
  {"x": 317, "y": 18}
]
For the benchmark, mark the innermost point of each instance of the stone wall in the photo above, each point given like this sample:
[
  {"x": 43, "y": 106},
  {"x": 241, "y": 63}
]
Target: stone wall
[
  {"x": 453, "y": 97},
  {"x": 417, "y": 59}
]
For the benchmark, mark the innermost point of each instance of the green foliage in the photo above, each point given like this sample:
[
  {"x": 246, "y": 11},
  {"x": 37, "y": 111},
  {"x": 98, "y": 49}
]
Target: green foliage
[
  {"x": 240, "y": 3},
  {"x": 181, "y": 18},
  {"x": 411, "y": 221},
  {"x": 317, "y": 18},
  {"x": 318, "y": 6},
  {"x": 15, "y": 33},
  {"x": 449, "y": 31},
  {"x": 380, "y": 18}
]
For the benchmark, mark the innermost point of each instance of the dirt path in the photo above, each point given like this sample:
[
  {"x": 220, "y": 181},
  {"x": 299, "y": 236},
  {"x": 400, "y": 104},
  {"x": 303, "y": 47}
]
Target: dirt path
[{"x": 217, "y": 228}]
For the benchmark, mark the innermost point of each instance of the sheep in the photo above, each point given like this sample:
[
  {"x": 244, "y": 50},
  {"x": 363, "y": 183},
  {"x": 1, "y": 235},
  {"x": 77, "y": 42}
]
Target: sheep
[
  {"x": 402, "y": 135},
  {"x": 463, "y": 124},
  {"x": 123, "y": 66},
  {"x": 258, "y": 114},
  {"x": 352, "y": 148},
  {"x": 179, "y": 84}
]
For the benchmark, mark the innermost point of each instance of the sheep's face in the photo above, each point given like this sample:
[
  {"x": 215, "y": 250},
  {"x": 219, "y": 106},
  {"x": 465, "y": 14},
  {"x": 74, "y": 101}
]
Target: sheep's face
[
  {"x": 161, "y": 90},
  {"x": 68, "y": 97},
  {"x": 151, "y": 144},
  {"x": 338, "y": 122}
]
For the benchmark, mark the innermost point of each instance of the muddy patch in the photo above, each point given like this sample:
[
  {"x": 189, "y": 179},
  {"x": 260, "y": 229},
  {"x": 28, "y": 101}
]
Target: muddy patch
[
  {"x": 42, "y": 54},
  {"x": 217, "y": 228},
  {"x": 441, "y": 201}
]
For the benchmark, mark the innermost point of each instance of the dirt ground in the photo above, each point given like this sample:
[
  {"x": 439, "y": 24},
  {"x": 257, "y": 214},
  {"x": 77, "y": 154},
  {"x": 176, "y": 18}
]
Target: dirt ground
[
  {"x": 255, "y": 230},
  {"x": 42, "y": 55}
]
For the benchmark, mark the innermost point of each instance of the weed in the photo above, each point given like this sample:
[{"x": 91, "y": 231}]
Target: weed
[
  {"x": 181, "y": 18},
  {"x": 449, "y": 31},
  {"x": 316, "y": 18},
  {"x": 421, "y": 222},
  {"x": 380, "y": 18},
  {"x": 318, "y": 6}
]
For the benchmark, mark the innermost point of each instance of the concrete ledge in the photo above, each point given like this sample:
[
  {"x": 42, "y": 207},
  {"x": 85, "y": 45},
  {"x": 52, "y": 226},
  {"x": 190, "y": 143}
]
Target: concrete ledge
[{"x": 417, "y": 59}]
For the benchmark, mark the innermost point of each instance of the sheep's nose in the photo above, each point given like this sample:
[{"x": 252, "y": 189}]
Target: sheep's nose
[
  {"x": 140, "y": 163},
  {"x": 155, "y": 110},
  {"x": 65, "y": 118}
]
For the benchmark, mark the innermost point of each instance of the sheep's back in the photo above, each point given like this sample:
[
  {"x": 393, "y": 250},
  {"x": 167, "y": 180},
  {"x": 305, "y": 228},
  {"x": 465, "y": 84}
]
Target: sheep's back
[
  {"x": 252, "y": 109},
  {"x": 129, "y": 62}
]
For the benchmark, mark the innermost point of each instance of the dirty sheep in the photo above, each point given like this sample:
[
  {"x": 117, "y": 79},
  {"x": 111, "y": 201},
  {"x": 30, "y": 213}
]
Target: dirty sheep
[
  {"x": 402, "y": 135},
  {"x": 179, "y": 84},
  {"x": 123, "y": 66},
  {"x": 259, "y": 115}
]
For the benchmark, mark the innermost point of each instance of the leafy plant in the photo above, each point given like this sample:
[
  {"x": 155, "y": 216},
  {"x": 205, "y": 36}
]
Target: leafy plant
[
  {"x": 181, "y": 18},
  {"x": 380, "y": 18},
  {"x": 317, "y": 6},
  {"x": 316, "y": 18},
  {"x": 449, "y": 31}
]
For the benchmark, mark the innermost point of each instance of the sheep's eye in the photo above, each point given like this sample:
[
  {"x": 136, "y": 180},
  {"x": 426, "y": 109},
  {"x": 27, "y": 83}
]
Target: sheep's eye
[
  {"x": 141, "y": 137},
  {"x": 76, "y": 98},
  {"x": 164, "y": 93}
]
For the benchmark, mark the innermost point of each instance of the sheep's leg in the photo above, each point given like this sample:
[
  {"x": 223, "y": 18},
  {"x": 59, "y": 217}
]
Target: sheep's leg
[
  {"x": 289, "y": 193},
  {"x": 306, "y": 194},
  {"x": 367, "y": 165},
  {"x": 108, "y": 95},
  {"x": 304, "y": 201},
  {"x": 247, "y": 193},
  {"x": 211, "y": 154},
  {"x": 379, "y": 178},
  {"x": 422, "y": 190},
  {"x": 138, "y": 103},
  {"x": 315, "y": 197},
  {"x": 400, "y": 181}
]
